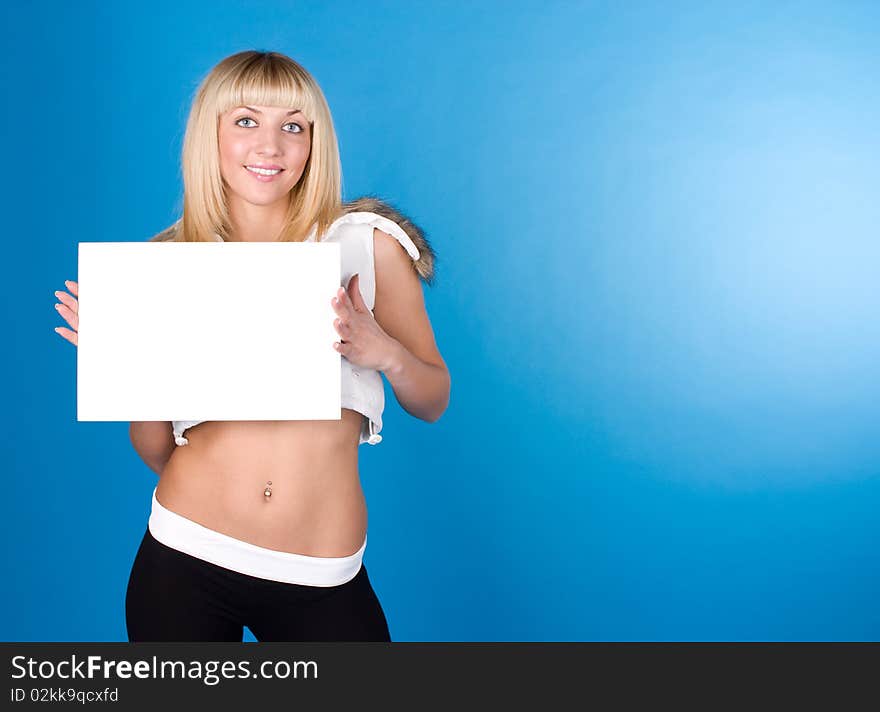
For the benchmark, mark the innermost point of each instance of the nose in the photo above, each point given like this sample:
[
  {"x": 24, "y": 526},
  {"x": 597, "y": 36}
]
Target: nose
[{"x": 268, "y": 143}]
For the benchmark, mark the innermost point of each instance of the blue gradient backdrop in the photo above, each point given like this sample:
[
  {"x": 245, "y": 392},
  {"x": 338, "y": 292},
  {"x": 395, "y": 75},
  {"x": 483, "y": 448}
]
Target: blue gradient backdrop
[{"x": 657, "y": 296}]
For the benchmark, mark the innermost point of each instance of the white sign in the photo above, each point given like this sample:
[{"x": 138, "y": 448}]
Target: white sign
[{"x": 207, "y": 331}]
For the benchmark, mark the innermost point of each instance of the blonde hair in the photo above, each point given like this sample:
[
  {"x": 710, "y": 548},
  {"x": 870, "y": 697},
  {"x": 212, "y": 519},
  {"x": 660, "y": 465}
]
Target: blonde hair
[{"x": 269, "y": 79}]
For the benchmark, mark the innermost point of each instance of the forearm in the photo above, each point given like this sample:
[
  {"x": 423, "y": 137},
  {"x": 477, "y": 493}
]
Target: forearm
[
  {"x": 156, "y": 465},
  {"x": 421, "y": 388},
  {"x": 153, "y": 441}
]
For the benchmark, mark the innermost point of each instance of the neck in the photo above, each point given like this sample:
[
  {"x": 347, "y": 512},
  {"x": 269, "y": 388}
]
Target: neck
[{"x": 256, "y": 223}]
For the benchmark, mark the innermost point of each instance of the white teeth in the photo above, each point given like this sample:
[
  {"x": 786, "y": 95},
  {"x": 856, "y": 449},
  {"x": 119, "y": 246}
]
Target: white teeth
[{"x": 264, "y": 171}]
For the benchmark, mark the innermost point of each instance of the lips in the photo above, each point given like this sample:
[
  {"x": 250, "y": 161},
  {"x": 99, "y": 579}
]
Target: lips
[{"x": 264, "y": 177}]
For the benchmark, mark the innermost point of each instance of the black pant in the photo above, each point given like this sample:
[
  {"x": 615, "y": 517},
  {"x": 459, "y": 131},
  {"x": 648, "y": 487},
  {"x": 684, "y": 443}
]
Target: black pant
[{"x": 174, "y": 596}]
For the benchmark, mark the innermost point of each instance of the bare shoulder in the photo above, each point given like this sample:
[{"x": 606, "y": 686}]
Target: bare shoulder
[{"x": 390, "y": 253}]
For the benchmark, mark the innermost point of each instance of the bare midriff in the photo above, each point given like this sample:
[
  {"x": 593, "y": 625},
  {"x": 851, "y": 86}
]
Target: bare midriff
[{"x": 317, "y": 506}]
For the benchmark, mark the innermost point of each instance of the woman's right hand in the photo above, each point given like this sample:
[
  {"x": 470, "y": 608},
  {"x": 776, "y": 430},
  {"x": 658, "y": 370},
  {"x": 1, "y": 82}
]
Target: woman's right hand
[{"x": 68, "y": 309}]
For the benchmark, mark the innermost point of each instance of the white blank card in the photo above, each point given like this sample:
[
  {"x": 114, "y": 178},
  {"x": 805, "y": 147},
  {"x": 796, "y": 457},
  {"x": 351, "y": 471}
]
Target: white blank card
[{"x": 207, "y": 331}]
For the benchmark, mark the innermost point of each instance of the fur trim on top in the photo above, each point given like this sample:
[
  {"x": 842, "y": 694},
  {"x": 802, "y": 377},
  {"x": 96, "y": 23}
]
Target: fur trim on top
[
  {"x": 424, "y": 266},
  {"x": 371, "y": 204}
]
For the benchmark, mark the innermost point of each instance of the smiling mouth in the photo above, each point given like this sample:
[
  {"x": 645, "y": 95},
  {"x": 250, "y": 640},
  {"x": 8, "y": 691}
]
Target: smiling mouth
[
  {"x": 264, "y": 175},
  {"x": 264, "y": 171}
]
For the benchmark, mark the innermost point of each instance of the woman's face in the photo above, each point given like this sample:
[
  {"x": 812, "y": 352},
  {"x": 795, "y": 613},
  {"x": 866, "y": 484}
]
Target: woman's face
[{"x": 274, "y": 139}]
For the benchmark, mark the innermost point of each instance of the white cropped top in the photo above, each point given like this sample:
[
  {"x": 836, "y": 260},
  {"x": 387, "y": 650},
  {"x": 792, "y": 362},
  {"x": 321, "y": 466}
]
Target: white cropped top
[{"x": 362, "y": 388}]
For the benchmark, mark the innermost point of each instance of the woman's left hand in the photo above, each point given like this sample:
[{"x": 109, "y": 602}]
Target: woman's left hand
[{"x": 362, "y": 341}]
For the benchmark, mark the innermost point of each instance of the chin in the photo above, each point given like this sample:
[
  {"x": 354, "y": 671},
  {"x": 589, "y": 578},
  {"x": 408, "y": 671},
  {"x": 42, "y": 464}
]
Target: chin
[
  {"x": 264, "y": 203},
  {"x": 260, "y": 198}
]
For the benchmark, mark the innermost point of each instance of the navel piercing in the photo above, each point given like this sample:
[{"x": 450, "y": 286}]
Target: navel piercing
[{"x": 268, "y": 491}]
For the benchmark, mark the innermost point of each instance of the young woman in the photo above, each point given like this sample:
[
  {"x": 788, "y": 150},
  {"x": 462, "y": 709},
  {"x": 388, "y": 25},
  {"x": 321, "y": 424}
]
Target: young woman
[{"x": 263, "y": 523}]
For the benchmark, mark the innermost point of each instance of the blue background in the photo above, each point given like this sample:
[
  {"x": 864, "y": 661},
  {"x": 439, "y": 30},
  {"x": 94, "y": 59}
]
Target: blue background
[{"x": 656, "y": 294}]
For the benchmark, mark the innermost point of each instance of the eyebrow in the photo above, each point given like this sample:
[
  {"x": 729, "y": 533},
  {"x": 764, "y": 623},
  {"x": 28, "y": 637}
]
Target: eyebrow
[{"x": 257, "y": 111}]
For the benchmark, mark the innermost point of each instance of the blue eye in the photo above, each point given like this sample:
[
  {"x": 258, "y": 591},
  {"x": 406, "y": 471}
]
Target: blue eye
[{"x": 299, "y": 129}]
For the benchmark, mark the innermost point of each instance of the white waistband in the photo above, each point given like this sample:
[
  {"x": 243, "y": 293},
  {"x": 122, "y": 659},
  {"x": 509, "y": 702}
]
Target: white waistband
[{"x": 196, "y": 540}]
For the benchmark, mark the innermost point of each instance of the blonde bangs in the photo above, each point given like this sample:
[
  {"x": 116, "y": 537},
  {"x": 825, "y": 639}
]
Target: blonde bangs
[{"x": 265, "y": 82}]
